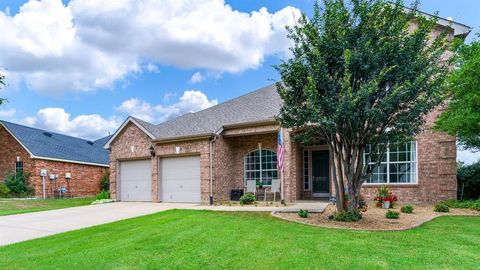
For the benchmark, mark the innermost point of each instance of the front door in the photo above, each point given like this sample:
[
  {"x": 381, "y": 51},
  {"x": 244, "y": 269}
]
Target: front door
[{"x": 320, "y": 174}]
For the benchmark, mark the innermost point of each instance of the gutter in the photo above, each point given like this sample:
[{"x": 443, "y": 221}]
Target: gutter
[
  {"x": 211, "y": 168},
  {"x": 250, "y": 124},
  {"x": 185, "y": 138}
]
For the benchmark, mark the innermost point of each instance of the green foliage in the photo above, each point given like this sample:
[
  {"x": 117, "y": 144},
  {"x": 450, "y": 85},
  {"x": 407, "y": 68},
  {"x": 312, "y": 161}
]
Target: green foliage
[
  {"x": 18, "y": 184},
  {"x": 105, "y": 182},
  {"x": 392, "y": 215},
  {"x": 408, "y": 209},
  {"x": 468, "y": 204},
  {"x": 303, "y": 213},
  {"x": 468, "y": 181},
  {"x": 441, "y": 207},
  {"x": 462, "y": 115},
  {"x": 346, "y": 216},
  {"x": 103, "y": 195},
  {"x": 248, "y": 198},
  {"x": 2, "y": 85},
  {"x": 360, "y": 76},
  {"x": 4, "y": 190}
]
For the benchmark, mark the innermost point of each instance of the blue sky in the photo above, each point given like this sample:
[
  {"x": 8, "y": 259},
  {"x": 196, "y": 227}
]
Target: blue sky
[{"x": 81, "y": 67}]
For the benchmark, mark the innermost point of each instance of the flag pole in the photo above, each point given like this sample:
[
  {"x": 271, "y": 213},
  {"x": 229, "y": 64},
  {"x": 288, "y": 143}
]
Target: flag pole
[{"x": 282, "y": 200}]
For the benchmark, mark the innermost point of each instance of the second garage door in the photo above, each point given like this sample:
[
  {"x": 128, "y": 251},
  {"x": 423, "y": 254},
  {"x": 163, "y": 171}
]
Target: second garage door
[{"x": 180, "y": 178}]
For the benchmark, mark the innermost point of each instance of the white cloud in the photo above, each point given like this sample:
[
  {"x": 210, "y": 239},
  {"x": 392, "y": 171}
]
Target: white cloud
[
  {"x": 89, "y": 44},
  {"x": 197, "y": 77},
  {"x": 89, "y": 126},
  {"x": 152, "y": 68},
  {"x": 7, "y": 114},
  {"x": 190, "y": 101},
  {"x": 467, "y": 156}
]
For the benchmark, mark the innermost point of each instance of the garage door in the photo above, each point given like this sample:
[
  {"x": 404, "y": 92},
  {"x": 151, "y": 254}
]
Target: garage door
[
  {"x": 180, "y": 178},
  {"x": 136, "y": 180}
]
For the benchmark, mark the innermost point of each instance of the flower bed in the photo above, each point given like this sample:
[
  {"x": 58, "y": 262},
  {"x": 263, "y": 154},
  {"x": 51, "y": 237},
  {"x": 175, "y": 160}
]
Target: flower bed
[{"x": 374, "y": 218}]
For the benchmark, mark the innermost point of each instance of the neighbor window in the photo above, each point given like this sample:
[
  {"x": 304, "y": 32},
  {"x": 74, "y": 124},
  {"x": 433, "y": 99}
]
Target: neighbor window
[
  {"x": 18, "y": 166},
  {"x": 397, "y": 165},
  {"x": 261, "y": 166}
]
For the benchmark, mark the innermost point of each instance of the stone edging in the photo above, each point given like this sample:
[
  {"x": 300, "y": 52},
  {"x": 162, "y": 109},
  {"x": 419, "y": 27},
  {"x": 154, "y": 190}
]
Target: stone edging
[{"x": 275, "y": 214}]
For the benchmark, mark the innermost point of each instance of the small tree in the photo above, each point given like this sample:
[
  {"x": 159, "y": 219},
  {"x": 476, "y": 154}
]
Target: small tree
[
  {"x": 360, "y": 75},
  {"x": 462, "y": 117}
]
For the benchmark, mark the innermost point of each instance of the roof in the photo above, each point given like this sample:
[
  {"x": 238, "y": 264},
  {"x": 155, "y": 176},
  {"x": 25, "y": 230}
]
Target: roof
[
  {"x": 44, "y": 144},
  {"x": 258, "y": 106}
]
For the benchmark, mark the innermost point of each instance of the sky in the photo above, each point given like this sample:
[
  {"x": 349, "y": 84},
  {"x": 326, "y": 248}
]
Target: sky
[{"x": 80, "y": 67}]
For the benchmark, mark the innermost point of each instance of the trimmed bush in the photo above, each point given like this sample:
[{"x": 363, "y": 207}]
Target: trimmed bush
[
  {"x": 346, "y": 216},
  {"x": 303, "y": 213},
  {"x": 4, "y": 190},
  {"x": 102, "y": 195},
  {"x": 247, "y": 199},
  {"x": 468, "y": 181},
  {"x": 469, "y": 204},
  {"x": 408, "y": 209},
  {"x": 392, "y": 215},
  {"x": 441, "y": 207},
  {"x": 17, "y": 183}
]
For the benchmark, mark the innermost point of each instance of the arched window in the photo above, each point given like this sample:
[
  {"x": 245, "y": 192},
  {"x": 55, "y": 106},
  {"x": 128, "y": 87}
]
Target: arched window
[{"x": 261, "y": 166}]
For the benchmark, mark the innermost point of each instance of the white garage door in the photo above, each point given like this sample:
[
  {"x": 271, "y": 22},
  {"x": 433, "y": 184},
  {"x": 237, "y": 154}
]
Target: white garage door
[
  {"x": 136, "y": 180},
  {"x": 180, "y": 178}
]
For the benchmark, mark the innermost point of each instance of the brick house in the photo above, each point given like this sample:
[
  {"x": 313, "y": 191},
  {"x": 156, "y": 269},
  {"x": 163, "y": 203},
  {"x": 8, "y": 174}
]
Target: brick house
[
  {"x": 73, "y": 163},
  {"x": 204, "y": 156}
]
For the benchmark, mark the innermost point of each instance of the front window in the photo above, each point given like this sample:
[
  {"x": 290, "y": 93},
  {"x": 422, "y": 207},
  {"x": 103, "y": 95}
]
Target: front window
[
  {"x": 18, "y": 166},
  {"x": 306, "y": 182},
  {"x": 261, "y": 166},
  {"x": 397, "y": 165}
]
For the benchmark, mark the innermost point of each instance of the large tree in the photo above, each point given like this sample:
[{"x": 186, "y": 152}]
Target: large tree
[
  {"x": 462, "y": 117},
  {"x": 362, "y": 73}
]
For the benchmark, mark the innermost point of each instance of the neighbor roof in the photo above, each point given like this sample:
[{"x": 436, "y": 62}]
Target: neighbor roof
[
  {"x": 259, "y": 106},
  {"x": 44, "y": 144}
]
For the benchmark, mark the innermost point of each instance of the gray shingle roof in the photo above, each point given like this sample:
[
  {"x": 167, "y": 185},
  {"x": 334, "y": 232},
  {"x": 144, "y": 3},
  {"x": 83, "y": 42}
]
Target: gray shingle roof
[
  {"x": 261, "y": 105},
  {"x": 48, "y": 144}
]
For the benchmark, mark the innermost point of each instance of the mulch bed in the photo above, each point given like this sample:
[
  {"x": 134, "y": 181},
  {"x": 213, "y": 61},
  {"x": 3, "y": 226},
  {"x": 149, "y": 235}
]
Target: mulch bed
[{"x": 374, "y": 218}]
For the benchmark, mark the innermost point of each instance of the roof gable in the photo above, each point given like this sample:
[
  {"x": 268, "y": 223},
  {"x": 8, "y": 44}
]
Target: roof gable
[{"x": 50, "y": 145}]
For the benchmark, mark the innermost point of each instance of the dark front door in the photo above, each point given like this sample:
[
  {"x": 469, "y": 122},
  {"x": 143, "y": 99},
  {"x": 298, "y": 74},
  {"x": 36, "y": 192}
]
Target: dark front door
[{"x": 320, "y": 174}]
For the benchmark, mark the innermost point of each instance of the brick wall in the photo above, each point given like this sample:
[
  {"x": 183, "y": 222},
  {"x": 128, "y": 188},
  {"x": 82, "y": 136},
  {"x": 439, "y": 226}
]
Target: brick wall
[
  {"x": 10, "y": 150},
  {"x": 85, "y": 179}
]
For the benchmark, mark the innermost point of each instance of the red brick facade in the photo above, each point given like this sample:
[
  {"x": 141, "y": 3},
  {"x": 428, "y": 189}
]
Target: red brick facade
[
  {"x": 85, "y": 179},
  {"x": 436, "y": 154}
]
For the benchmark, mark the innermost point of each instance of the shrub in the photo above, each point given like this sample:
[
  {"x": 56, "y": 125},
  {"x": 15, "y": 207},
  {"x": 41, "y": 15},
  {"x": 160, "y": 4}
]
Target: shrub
[
  {"x": 17, "y": 183},
  {"x": 468, "y": 181},
  {"x": 408, "y": 209},
  {"x": 346, "y": 216},
  {"x": 441, "y": 207},
  {"x": 303, "y": 213},
  {"x": 468, "y": 204},
  {"x": 392, "y": 215},
  {"x": 247, "y": 199},
  {"x": 105, "y": 182},
  {"x": 102, "y": 195},
  {"x": 4, "y": 190}
]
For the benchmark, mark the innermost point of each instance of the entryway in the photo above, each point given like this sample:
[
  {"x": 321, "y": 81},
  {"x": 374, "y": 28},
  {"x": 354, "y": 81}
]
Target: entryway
[{"x": 320, "y": 173}]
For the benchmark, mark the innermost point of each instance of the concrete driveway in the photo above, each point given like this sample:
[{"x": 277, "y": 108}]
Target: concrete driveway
[{"x": 21, "y": 227}]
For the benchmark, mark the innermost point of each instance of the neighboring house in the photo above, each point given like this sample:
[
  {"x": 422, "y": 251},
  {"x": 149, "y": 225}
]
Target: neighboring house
[
  {"x": 77, "y": 164},
  {"x": 203, "y": 156}
]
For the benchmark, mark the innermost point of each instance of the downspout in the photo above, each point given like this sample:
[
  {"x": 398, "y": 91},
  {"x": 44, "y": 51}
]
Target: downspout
[{"x": 211, "y": 169}]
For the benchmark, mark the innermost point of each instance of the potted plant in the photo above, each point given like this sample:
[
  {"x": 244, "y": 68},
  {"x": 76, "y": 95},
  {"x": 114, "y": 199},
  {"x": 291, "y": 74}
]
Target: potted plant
[
  {"x": 385, "y": 198},
  {"x": 259, "y": 184}
]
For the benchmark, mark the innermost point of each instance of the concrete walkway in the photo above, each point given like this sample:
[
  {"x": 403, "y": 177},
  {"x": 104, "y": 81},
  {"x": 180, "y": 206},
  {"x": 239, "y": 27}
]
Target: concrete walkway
[{"x": 21, "y": 227}]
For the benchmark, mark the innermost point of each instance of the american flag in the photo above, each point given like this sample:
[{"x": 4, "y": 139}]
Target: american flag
[{"x": 280, "y": 150}]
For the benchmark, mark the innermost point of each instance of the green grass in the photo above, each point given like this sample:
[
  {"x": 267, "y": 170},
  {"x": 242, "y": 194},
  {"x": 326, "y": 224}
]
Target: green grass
[
  {"x": 189, "y": 239},
  {"x": 11, "y": 207}
]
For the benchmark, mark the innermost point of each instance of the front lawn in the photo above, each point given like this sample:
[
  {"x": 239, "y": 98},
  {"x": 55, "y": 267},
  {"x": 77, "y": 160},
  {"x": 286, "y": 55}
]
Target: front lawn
[
  {"x": 11, "y": 207},
  {"x": 189, "y": 239}
]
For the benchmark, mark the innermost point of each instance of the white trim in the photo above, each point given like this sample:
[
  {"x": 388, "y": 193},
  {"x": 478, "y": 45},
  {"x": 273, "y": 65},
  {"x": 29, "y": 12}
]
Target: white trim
[
  {"x": 70, "y": 161},
  {"x": 128, "y": 120}
]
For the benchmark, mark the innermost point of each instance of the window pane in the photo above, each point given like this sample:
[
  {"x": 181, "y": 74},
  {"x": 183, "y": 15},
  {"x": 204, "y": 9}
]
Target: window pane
[{"x": 261, "y": 165}]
